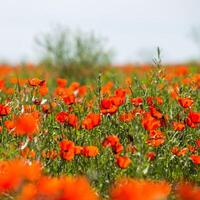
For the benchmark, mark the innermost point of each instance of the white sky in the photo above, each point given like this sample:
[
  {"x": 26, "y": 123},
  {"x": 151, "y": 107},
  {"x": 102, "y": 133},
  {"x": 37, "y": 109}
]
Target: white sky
[{"x": 134, "y": 28}]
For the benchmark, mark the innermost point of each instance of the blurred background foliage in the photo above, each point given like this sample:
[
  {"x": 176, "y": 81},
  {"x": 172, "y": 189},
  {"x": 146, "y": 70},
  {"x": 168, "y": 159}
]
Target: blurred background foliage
[{"x": 73, "y": 53}]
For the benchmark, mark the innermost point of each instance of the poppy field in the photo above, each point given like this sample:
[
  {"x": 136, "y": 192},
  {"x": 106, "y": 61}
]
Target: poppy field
[{"x": 127, "y": 133}]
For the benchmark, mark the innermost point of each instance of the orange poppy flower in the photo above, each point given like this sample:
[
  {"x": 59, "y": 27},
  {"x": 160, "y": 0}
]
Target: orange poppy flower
[
  {"x": 159, "y": 100},
  {"x": 87, "y": 123},
  {"x": 9, "y": 124},
  {"x": 194, "y": 116},
  {"x": 4, "y": 110},
  {"x": 78, "y": 150},
  {"x": 82, "y": 90},
  {"x": 91, "y": 120},
  {"x": 61, "y": 82},
  {"x": 36, "y": 114},
  {"x": 106, "y": 103},
  {"x": 74, "y": 86},
  {"x": 195, "y": 159},
  {"x": 197, "y": 143},
  {"x": 67, "y": 150},
  {"x": 185, "y": 102},
  {"x": 123, "y": 161},
  {"x": 27, "y": 153},
  {"x": 69, "y": 119},
  {"x": 106, "y": 89},
  {"x": 49, "y": 187},
  {"x": 10, "y": 179},
  {"x": 61, "y": 117},
  {"x": 151, "y": 155},
  {"x": 190, "y": 123},
  {"x": 117, "y": 100},
  {"x": 61, "y": 92},
  {"x": 29, "y": 191},
  {"x": 2, "y": 83},
  {"x": 130, "y": 189},
  {"x": 70, "y": 99},
  {"x": 178, "y": 152},
  {"x": 150, "y": 123},
  {"x": 110, "y": 111},
  {"x": 19, "y": 174},
  {"x": 191, "y": 148},
  {"x": 43, "y": 90},
  {"x": 77, "y": 188},
  {"x": 26, "y": 124},
  {"x": 174, "y": 94},
  {"x": 155, "y": 113},
  {"x": 111, "y": 140},
  {"x": 90, "y": 151},
  {"x": 32, "y": 171},
  {"x": 35, "y": 82},
  {"x": 72, "y": 120},
  {"x": 187, "y": 191},
  {"x": 183, "y": 151},
  {"x": 126, "y": 117},
  {"x": 178, "y": 126},
  {"x": 136, "y": 101},
  {"x": 149, "y": 101},
  {"x": 15, "y": 172},
  {"x": 120, "y": 93},
  {"x": 156, "y": 138},
  {"x": 117, "y": 148}
]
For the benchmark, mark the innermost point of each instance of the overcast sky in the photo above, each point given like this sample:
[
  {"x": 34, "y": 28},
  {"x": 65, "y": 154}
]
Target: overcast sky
[{"x": 134, "y": 28}]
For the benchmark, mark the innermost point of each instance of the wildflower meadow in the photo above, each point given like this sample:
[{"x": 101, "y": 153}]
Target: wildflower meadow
[{"x": 124, "y": 133}]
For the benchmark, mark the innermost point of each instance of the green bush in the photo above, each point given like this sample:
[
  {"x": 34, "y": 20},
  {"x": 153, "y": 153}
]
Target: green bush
[{"x": 73, "y": 51}]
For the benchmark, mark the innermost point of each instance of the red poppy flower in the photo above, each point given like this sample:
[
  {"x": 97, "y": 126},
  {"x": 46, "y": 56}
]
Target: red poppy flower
[
  {"x": 26, "y": 124},
  {"x": 123, "y": 161},
  {"x": 4, "y": 110},
  {"x": 187, "y": 191},
  {"x": 126, "y": 117},
  {"x": 194, "y": 116},
  {"x": 136, "y": 101},
  {"x": 155, "y": 113},
  {"x": 156, "y": 138},
  {"x": 130, "y": 189},
  {"x": 67, "y": 149},
  {"x": 61, "y": 116},
  {"x": 72, "y": 120},
  {"x": 61, "y": 82},
  {"x": 175, "y": 150},
  {"x": 185, "y": 102},
  {"x": 90, "y": 151},
  {"x": 195, "y": 159},
  {"x": 117, "y": 148},
  {"x": 35, "y": 82},
  {"x": 178, "y": 126},
  {"x": 151, "y": 155},
  {"x": 91, "y": 120},
  {"x": 150, "y": 123},
  {"x": 111, "y": 140},
  {"x": 70, "y": 99}
]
